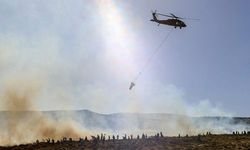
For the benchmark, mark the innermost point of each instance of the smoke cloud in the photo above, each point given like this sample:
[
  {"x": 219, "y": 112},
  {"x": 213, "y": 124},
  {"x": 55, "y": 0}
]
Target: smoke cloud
[
  {"x": 21, "y": 122},
  {"x": 53, "y": 56}
]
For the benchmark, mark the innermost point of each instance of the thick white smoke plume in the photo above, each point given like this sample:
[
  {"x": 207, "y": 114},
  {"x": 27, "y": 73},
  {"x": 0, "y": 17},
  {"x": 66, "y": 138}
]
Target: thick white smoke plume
[{"x": 56, "y": 56}]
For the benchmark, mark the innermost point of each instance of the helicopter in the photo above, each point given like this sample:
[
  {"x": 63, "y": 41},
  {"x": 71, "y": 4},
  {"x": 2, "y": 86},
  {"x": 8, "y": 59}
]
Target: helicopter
[{"x": 173, "y": 21}]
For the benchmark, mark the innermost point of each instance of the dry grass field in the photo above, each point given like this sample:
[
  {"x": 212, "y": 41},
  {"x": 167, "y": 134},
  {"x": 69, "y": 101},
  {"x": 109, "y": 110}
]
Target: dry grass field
[{"x": 202, "y": 142}]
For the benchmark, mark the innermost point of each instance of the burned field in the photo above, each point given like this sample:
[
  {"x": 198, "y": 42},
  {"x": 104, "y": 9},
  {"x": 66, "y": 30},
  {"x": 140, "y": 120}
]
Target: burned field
[{"x": 158, "y": 142}]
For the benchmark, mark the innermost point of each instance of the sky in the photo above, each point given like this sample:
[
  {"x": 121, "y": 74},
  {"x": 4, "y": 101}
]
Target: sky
[{"x": 83, "y": 54}]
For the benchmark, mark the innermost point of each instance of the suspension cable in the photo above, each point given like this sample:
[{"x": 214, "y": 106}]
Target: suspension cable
[{"x": 152, "y": 56}]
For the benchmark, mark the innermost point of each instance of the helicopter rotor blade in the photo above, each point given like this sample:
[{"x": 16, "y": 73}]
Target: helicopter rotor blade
[
  {"x": 190, "y": 19},
  {"x": 171, "y": 15},
  {"x": 174, "y": 16},
  {"x": 164, "y": 15},
  {"x": 183, "y": 18}
]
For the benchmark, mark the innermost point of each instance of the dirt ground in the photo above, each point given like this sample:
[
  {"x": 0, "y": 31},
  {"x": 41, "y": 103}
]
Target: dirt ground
[{"x": 202, "y": 142}]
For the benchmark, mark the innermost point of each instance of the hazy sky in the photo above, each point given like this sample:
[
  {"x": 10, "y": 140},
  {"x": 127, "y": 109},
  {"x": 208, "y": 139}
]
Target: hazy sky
[{"x": 83, "y": 54}]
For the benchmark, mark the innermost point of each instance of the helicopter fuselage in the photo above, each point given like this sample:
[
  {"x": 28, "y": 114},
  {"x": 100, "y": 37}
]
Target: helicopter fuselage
[{"x": 171, "y": 22}]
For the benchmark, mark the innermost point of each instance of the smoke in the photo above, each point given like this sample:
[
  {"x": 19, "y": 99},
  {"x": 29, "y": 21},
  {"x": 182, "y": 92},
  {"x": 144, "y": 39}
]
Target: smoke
[
  {"x": 21, "y": 122},
  {"x": 177, "y": 115},
  {"x": 52, "y": 58},
  {"x": 28, "y": 69}
]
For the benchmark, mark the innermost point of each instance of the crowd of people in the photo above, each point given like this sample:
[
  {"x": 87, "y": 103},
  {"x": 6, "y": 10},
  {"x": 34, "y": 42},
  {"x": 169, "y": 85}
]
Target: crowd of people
[
  {"x": 103, "y": 137},
  {"x": 131, "y": 142}
]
